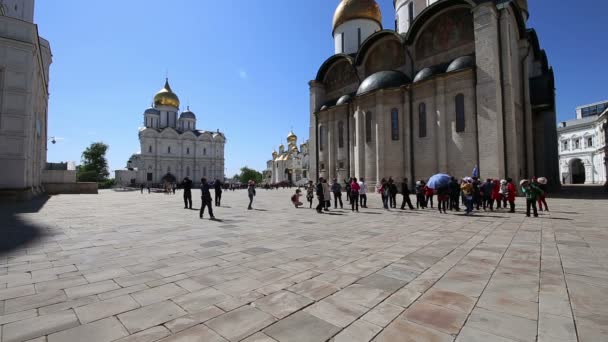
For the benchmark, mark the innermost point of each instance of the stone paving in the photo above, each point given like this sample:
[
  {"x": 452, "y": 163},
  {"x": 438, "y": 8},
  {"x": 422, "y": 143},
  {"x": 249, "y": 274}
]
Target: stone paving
[{"x": 122, "y": 266}]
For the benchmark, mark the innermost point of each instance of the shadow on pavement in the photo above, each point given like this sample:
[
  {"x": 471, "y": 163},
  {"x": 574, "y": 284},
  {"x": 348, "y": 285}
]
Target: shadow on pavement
[{"x": 16, "y": 232}]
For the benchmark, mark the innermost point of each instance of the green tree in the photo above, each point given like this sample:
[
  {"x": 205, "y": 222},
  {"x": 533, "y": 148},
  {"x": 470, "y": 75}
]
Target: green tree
[
  {"x": 248, "y": 174},
  {"x": 94, "y": 166}
]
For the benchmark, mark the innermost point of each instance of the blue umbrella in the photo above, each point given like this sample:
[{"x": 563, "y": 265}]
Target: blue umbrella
[
  {"x": 475, "y": 172},
  {"x": 438, "y": 181}
]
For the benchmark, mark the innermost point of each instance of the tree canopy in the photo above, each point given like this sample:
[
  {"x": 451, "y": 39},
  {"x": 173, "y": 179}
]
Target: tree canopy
[
  {"x": 248, "y": 174},
  {"x": 94, "y": 166}
]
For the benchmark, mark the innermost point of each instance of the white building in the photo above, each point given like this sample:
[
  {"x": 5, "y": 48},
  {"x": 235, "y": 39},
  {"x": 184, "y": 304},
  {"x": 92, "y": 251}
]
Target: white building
[
  {"x": 582, "y": 145},
  {"x": 289, "y": 165},
  {"x": 25, "y": 59},
  {"x": 172, "y": 146}
]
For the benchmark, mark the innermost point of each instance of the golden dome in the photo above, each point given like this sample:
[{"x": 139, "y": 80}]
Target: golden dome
[
  {"x": 357, "y": 9},
  {"x": 166, "y": 97},
  {"x": 292, "y": 137}
]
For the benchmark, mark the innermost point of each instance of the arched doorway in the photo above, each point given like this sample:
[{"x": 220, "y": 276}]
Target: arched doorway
[
  {"x": 289, "y": 176},
  {"x": 169, "y": 178},
  {"x": 577, "y": 171}
]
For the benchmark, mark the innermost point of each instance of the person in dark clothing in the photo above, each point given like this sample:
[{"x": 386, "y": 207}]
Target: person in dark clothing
[
  {"x": 454, "y": 193},
  {"x": 174, "y": 186},
  {"x": 148, "y": 186},
  {"x": 218, "y": 192},
  {"x": 405, "y": 191},
  {"x": 336, "y": 188},
  {"x": 347, "y": 189},
  {"x": 531, "y": 192},
  {"x": 251, "y": 193},
  {"x": 443, "y": 198},
  {"x": 142, "y": 188},
  {"x": 420, "y": 200},
  {"x": 187, "y": 185},
  {"x": 476, "y": 193},
  {"x": 486, "y": 193},
  {"x": 206, "y": 199},
  {"x": 320, "y": 196},
  {"x": 355, "y": 188},
  {"x": 392, "y": 193}
]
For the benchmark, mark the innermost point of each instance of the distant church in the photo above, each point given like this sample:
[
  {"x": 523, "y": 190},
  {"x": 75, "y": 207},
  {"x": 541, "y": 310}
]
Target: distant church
[
  {"x": 172, "y": 147},
  {"x": 289, "y": 165},
  {"x": 457, "y": 84}
]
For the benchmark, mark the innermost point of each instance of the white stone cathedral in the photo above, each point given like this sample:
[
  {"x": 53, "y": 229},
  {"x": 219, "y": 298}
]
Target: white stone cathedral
[
  {"x": 172, "y": 147},
  {"x": 289, "y": 165}
]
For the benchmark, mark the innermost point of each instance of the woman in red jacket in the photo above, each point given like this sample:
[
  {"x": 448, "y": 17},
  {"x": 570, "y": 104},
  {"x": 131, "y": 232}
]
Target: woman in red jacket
[
  {"x": 496, "y": 197},
  {"x": 429, "y": 193},
  {"x": 511, "y": 194}
]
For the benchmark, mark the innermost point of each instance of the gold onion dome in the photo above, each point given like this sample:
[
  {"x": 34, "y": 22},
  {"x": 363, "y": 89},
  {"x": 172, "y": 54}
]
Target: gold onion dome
[
  {"x": 292, "y": 137},
  {"x": 166, "y": 97},
  {"x": 357, "y": 9}
]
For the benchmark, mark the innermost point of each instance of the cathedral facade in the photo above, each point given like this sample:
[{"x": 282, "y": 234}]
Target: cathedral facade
[
  {"x": 457, "y": 85},
  {"x": 172, "y": 146},
  {"x": 289, "y": 165}
]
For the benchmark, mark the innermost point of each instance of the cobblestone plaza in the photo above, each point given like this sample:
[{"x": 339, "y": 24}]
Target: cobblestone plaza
[{"x": 125, "y": 266}]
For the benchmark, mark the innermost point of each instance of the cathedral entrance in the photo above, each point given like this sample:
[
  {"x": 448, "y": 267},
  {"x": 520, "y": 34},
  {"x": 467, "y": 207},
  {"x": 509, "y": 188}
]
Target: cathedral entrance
[
  {"x": 169, "y": 178},
  {"x": 289, "y": 176},
  {"x": 577, "y": 171}
]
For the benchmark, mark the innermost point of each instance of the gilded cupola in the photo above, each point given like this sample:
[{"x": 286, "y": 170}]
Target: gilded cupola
[
  {"x": 166, "y": 97},
  {"x": 357, "y": 9},
  {"x": 292, "y": 138}
]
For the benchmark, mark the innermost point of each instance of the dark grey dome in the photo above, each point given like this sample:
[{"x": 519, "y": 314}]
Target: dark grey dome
[
  {"x": 187, "y": 115},
  {"x": 344, "y": 100},
  {"x": 461, "y": 63},
  {"x": 383, "y": 80},
  {"x": 424, "y": 74},
  {"x": 152, "y": 111},
  {"x": 323, "y": 107}
]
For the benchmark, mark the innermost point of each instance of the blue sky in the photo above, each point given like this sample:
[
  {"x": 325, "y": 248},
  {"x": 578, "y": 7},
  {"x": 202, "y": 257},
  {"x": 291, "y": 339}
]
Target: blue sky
[{"x": 242, "y": 66}]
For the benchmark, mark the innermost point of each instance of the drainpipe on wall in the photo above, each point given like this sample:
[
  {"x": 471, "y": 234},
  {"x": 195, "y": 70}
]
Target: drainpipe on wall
[
  {"x": 348, "y": 140},
  {"x": 502, "y": 94}
]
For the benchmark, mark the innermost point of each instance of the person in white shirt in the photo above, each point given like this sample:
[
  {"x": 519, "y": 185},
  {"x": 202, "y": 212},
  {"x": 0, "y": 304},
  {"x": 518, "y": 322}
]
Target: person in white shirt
[{"x": 363, "y": 193}]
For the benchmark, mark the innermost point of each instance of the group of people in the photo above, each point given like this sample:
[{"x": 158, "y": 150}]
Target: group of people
[
  {"x": 473, "y": 193},
  {"x": 206, "y": 195}
]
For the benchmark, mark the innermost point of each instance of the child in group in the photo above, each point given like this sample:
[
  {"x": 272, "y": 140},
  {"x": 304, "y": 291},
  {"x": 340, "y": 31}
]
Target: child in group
[{"x": 295, "y": 199}]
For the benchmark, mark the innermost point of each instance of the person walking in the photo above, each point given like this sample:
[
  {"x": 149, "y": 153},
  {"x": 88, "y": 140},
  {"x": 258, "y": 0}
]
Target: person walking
[
  {"x": 486, "y": 194},
  {"x": 355, "y": 189},
  {"x": 251, "y": 193},
  {"x": 205, "y": 199},
  {"x": 392, "y": 187},
  {"x": 336, "y": 188},
  {"x": 532, "y": 192},
  {"x": 326, "y": 195},
  {"x": 512, "y": 192},
  {"x": 405, "y": 191},
  {"x": 148, "y": 186},
  {"x": 174, "y": 186},
  {"x": 310, "y": 193},
  {"x": 218, "y": 192},
  {"x": 362, "y": 193},
  {"x": 347, "y": 189},
  {"x": 187, "y": 185},
  {"x": 476, "y": 193},
  {"x": 496, "y": 197},
  {"x": 142, "y": 188},
  {"x": 504, "y": 193},
  {"x": 320, "y": 196}
]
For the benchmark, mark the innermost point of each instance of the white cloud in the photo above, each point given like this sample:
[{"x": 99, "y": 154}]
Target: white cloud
[{"x": 243, "y": 74}]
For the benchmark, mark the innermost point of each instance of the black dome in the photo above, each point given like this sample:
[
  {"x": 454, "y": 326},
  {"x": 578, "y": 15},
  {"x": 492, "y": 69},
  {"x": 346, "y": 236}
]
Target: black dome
[
  {"x": 383, "y": 80},
  {"x": 424, "y": 74},
  {"x": 461, "y": 63},
  {"x": 344, "y": 100},
  {"x": 187, "y": 115}
]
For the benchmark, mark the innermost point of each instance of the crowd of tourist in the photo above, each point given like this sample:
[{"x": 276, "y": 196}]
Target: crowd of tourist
[{"x": 469, "y": 192}]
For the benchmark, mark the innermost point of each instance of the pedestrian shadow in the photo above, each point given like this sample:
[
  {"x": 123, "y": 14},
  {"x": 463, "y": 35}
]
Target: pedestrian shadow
[
  {"x": 216, "y": 219},
  {"x": 14, "y": 230},
  {"x": 558, "y": 218},
  {"x": 369, "y": 213},
  {"x": 260, "y": 209},
  {"x": 333, "y": 214}
]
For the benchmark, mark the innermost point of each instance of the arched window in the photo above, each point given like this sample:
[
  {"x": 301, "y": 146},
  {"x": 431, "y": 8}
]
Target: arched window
[
  {"x": 460, "y": 122},
  {"x": 422, "y": 120},
  {"x": 187, "y": 150},
  {"x": 205, "y": 151},
  {"x": 321, "y": 138},
  {"x": 169, "y": 149},
  {"x": 368, "y": 127},
  {"x": 340, "y": 134},
  {"x": 150, "y": 149},
  {"x": 394, "y": 124}
]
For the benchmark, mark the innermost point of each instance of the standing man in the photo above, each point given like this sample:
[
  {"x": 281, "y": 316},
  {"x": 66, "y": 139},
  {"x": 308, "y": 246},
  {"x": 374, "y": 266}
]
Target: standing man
[
  {"x": 511, "y": 194},
  {"x": 320, "y": 196},
  {"x": 393, "y": 192},
  {"x": 206, "y": 199},
  {"x": 218, "y": 192},
  {"x": 405, "y": 190},
  {"x": 251, "y": 193},
  {"x": 532, "y": 192},
  {"x": 362, "y": 192},
  {"x": 355, "y": 190},
  {"x": 187, "y": 184},
  {"x": 142, "y": 188},
  {"x": 336, "y": 188}
]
